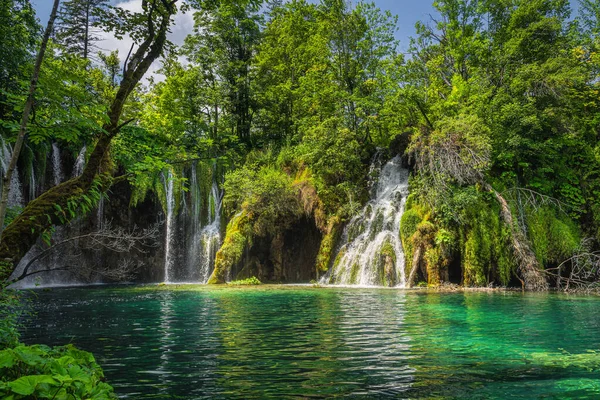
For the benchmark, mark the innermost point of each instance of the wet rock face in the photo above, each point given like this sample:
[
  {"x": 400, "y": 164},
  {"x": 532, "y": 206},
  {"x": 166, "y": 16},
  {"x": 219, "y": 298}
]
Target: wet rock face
[
  {"x": 289, "y": 257},
  {"x": 399, "y": 145},
  {"x": 144, "y": 264},
  {"x": 148, "y": 261}
]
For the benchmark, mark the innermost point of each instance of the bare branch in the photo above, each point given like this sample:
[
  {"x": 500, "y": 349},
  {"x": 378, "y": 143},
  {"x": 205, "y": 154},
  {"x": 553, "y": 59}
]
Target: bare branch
[{"x": 118, "y": 240}]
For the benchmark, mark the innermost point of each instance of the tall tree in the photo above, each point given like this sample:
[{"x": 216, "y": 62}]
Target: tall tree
[
  {"x": 18, "y": 39},
  {"x": 25, "y": 118},
  {"x": 230, "y": 32},
  {"x": 77, "y": 25}
]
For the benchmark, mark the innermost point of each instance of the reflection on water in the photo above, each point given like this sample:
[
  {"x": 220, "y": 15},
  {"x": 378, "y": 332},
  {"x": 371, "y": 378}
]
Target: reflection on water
[{"x": 310, "y": 343}]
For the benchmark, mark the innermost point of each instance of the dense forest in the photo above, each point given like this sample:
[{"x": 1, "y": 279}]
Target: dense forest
[
  {"x": 283, "y": 108},
  {"x": 493, "y": 108}
]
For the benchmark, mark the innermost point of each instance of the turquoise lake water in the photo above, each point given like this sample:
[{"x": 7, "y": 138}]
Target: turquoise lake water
[{"x": 303, "y": 342}]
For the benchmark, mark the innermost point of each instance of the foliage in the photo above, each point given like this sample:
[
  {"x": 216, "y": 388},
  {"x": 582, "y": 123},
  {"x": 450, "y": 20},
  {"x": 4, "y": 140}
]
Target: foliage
[
  {"x": 60, "y": 373},
  {"x": 76, "y": 25},
  {"x": 554, "y": 236},
  {"x": 265, "y": 195},
  {"x": 11, "y": 308},
  {"x": 246, "y": 282}
]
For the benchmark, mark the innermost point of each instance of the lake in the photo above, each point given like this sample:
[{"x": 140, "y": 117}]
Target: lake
[{"x": 302, "y": 342}]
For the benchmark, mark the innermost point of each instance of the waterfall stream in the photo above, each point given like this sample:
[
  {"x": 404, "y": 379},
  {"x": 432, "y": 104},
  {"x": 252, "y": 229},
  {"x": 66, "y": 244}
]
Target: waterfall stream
[
  {"x": 372, "y": 253},
  {"x": 15, "y": 195},
  {"x": 203, "y": 239},
  {"x": 80, "y": 162},
  {"x": 210, "y": 235},
  {"x": 170, "y": 202},
  {"x": 56, "y": 165}
]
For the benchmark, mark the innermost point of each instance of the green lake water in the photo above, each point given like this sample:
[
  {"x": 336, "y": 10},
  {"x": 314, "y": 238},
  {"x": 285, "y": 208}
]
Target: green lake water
[{"x": 303, "y": 342}]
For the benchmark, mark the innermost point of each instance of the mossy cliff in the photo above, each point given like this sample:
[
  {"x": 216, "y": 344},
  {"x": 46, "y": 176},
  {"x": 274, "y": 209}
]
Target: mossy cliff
[
  {"x": 472, "y": 242},
  {"x": 276, "y": 235}
]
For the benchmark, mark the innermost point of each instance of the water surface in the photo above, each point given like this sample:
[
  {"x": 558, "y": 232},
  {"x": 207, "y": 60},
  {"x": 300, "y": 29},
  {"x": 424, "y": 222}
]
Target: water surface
[{"x": 302, "y": 342}]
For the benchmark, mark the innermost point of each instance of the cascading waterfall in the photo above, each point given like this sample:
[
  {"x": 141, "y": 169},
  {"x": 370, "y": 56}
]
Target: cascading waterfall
[
  {"x": 56, "y": 165},
  {"x": 15, "y": 195},
  {"x": 80, "y": 162},
  {"x": 202, "y": 224},
  {"x": 170, "y": 203},
  {"x": 210, "y": 235},
  {"x": 372, "y": 253},
  {"x": 100, "y": 213},
  {"x": 32, "y": 185}
]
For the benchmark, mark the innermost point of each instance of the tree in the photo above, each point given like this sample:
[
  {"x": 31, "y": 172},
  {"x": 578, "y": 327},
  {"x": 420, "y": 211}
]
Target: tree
[
  {"x": 62, "y": 203},
  {"x": 77, "y": 25},
  {"x": 25, "y": 118},
  {"x": 228, "y": 33},
  {"x": 18, "y": 39}
]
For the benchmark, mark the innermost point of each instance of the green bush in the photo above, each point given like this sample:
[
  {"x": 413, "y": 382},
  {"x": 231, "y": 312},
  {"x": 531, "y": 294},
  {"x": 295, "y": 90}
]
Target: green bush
[
  {"x": 39, "y": 372},
  {"x": 246, "y": 282},
  {"x": 266, "y": 195}
]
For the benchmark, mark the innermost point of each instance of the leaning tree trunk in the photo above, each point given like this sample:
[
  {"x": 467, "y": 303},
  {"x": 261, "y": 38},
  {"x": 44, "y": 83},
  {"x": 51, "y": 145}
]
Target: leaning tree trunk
[
  {"x": 50, "y": 209},
  {"x": 25, "y": 117},
  {"x": 416, "y": 261},
  {"x": 528, "y": 266}
]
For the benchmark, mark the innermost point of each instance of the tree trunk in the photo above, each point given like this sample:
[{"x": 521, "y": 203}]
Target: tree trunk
[
  {"x": 528, "y": 266},
  {"x": 416, "y": 261},
  {"x": 25, "y": 118}
]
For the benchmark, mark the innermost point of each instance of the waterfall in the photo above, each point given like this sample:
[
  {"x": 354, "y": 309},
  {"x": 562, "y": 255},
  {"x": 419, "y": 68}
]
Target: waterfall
[
  {"x": 80, "y": 162},
  {"x": 372, "y": 253},
  {"x": 100, "y": 213},
  {"x": 32, "y": 187},
  {"x": 170, "y": 203},
  {"x": 56, "y": 165},
  {"x": 210, "y": 235},
  {"x": 202, "y": 240},
  {"x": 15, "y": 195}
]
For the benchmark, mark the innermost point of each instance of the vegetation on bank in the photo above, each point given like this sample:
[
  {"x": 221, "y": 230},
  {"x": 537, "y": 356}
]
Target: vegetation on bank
[
  {"x": 41, "y": 372},
  {"x": 246, "y": 282}
]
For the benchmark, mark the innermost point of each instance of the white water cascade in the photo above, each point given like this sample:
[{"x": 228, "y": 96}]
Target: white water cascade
[
  {"x": 56, "y": 165},
  {"x": 202, "y": 231},
  {"x": 372, "y": 253},
  {"x": 15, "y": 195},
  {"x": 170, "y": 203},
  {"x": 80, "y": 162},
  {"x": 210, "y": 235}
]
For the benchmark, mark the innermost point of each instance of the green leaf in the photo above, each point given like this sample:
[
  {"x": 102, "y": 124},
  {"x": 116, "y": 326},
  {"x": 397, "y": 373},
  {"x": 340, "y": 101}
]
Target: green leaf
[
  {"x": 26, "y": 385},
  {"x": 7, "y": 358}
]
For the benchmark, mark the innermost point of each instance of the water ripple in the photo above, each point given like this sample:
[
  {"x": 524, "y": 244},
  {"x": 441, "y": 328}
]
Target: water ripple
[{"x": 308, "y": 343}]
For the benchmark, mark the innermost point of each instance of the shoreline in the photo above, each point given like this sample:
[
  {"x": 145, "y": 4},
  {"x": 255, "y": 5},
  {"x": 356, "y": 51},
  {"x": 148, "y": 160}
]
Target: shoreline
[{"x": 191, "y": 286}]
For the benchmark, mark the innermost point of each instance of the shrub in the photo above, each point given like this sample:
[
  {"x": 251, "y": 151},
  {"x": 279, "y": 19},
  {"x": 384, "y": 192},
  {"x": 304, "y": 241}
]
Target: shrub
[
  {"x": 246, "y": 282},
  {"x": 39, "y": 372}
]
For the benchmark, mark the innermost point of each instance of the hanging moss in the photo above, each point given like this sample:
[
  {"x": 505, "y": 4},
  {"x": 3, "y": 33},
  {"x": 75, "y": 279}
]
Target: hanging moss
[
  {"x": 411, "y": 218},
  {"x": 328, "y": 244},
  {"x": 335, "y": 273},
  {"x": 553, "y": 235},
  {"x": 387, "y": 265},
  {"x": 238, "y": 236},
  {"x": 354, "y": 273},
  {"x": 377, "y": 225}
]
